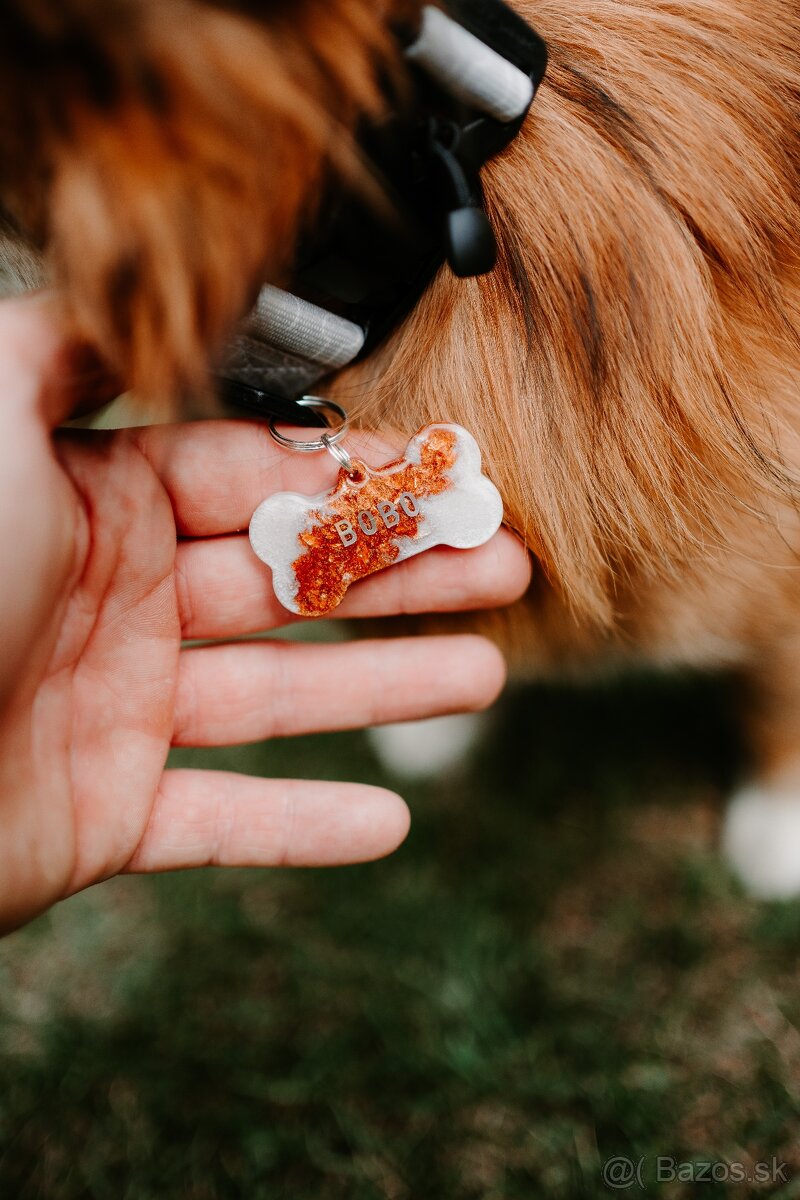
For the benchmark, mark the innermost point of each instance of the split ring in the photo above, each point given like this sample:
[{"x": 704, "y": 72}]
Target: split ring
[
  {"x": 327, "y": 441},
  {"x": 339, "y": 453}
]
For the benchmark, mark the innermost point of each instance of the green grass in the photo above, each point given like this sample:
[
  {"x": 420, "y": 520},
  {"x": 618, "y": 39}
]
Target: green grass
[{"x": 553, "y": 970}]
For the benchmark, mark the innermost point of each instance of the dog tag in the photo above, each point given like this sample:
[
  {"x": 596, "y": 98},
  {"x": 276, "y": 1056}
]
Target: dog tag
[{"x": 316, "y": 546}]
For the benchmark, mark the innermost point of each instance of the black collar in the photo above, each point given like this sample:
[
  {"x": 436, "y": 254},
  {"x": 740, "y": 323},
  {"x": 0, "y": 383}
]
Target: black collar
[{"x": 364, "y": 275}]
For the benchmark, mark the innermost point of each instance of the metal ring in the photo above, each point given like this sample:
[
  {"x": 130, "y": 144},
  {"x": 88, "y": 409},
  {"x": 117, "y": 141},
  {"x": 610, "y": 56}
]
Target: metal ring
[
  {"x": 327, "y": 441},
  {"x": 339, "y": 453}
]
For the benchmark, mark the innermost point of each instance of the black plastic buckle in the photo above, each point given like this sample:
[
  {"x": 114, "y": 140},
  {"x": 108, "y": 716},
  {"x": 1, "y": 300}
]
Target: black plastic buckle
[
  {"x": 470, "y": 244},
  {"x": 459, "y": 145}
]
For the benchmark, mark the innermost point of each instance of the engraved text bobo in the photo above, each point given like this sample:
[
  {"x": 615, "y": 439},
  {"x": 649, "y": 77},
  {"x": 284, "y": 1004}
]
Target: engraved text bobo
[
  {"x": 388, "y": 515},
  {"x": 434, "y": 495}
]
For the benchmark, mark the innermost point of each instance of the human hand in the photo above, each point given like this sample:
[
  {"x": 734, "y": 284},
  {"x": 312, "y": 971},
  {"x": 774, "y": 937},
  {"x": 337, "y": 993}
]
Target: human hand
[{"x": 114, "y": 547}]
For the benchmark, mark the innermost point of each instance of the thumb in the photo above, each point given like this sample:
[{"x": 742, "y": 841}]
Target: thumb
[{"x": 42, "y": 367}]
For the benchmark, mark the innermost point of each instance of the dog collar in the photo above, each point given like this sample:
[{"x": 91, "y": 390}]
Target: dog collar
[{"x": 475, "y": 71}]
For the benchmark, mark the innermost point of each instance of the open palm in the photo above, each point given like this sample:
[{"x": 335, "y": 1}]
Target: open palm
[{"x": 116, "y": 547}]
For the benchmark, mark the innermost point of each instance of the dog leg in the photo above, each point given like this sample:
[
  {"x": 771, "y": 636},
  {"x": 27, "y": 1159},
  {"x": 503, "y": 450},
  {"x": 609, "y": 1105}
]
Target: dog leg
[
  {"x": 420, "y": 750},
  {"x": 761, "y": 832}
]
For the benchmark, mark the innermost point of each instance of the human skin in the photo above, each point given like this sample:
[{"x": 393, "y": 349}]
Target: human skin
[{"x": 115, "y": 547}]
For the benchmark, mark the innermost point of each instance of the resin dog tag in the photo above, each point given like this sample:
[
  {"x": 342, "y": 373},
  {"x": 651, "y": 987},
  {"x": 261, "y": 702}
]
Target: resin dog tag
[{"x": 434, "y": 495}]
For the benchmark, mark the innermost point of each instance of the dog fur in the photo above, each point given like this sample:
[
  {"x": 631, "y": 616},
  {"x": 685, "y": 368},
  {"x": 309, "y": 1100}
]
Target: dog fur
[{"x": 630, "y": 368}]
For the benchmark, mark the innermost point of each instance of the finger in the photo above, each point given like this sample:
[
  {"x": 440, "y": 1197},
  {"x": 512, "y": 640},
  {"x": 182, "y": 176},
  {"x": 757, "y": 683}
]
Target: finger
[
  {"x": 217, "y": 472},
  {"x": 225, "y": 591},
  {"x": 246, "y": 692},
  {"x": 215, "y": 818}
]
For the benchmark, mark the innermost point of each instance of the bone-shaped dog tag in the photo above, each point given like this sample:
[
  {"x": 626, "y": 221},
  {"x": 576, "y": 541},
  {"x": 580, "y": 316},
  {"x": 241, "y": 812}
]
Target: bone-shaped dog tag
[{"x": 434, "y": 495}]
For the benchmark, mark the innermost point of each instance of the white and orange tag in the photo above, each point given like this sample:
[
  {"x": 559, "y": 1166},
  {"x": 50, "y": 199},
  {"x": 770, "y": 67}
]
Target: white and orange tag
[{"x": 435, "y": 494}]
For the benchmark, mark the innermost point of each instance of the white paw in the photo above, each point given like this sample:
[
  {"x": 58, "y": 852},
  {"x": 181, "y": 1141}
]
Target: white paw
[
  {"x": 425, "y": 749},
  {"x": 761, "y": 840}
]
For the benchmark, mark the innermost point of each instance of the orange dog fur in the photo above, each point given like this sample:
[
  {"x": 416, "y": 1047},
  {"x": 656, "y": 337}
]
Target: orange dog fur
[{"x": 630, "y": 368}]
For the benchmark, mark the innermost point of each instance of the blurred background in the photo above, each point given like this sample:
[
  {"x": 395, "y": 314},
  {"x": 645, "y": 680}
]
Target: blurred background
[{"x": 554, "y": 969}]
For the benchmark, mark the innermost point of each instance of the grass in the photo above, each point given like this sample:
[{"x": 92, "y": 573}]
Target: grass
[{"x": 555, "y": 969}]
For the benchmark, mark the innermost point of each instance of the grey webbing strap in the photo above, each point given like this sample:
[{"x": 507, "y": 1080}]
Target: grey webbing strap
[
  {"x": 294, "y": 325},
  {"x": 468, "y": 69},
  {"x": 290, "y": 344}
]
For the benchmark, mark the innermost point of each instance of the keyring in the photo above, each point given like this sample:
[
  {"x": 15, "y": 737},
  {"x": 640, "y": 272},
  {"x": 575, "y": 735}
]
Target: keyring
[
  {"x": 339, "y": 453},
  {"x": 327, "y": 441}
]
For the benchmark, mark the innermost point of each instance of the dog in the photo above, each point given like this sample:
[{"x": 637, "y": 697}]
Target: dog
[{"x": 630, "y": 368}]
